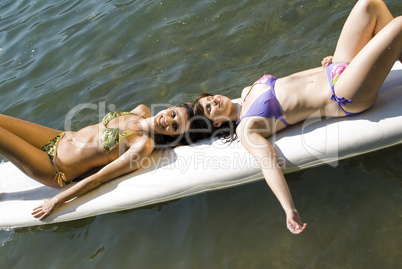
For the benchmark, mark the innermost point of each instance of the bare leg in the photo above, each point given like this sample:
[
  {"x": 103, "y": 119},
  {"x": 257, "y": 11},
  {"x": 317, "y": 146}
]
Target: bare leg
[
  {"x": 368, "y": 70},
  {"x": 35, "y": 134},
  {"x": 371, "y": 41},
  {"x": 21, "y": 142},
  {"x": 366, "y": 19}
]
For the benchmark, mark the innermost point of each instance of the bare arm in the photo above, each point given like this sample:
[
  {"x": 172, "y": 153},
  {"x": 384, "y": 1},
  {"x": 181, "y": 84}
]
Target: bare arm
[
  {"x": 265, "y": 155},
  {"x": 126, "y": 163}
]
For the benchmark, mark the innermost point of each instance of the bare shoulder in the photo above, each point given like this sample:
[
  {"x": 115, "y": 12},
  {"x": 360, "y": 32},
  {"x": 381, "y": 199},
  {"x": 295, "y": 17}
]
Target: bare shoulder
[
  {"x": 142, "y": 110},
  {"x": 244, "y": 92}
]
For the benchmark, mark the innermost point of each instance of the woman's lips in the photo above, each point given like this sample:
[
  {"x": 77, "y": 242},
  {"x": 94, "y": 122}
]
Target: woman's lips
[
  {"x": 159, "y": 121},
  {"x": 162, "y": 122}
]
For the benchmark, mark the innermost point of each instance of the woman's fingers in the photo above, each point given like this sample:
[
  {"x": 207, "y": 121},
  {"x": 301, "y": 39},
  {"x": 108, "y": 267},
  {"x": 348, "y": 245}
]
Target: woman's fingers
[
  {"x": 327, "y": 61},
  {"x": 43, "y": 210},
  {"x": 294, "y": 223},
  {"x": 297, "y": 228}
]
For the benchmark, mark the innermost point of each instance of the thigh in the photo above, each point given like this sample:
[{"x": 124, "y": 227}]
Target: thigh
[
  {"x": 29, "y": 159},
  {"x": 363, "y": 78},
  {"x": 365, "y": 20},
  {"x": 32, "y": 133}
]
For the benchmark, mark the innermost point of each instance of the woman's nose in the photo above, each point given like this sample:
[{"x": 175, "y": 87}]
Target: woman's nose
[
  {"x": 214, "y": 101},
  {"x": 168, "y": 119}
]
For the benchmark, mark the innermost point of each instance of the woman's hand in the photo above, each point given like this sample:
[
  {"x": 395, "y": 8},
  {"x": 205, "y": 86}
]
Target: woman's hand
[
  {"x": 294, "y": 222},
  {"x": 45, "y": 209},
  {"x": 261, "y": 149},
  {"x": 327, "y": 61}
]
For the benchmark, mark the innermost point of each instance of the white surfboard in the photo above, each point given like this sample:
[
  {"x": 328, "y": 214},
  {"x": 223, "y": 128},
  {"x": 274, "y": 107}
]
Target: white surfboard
[{"x": 212, "y": 165}]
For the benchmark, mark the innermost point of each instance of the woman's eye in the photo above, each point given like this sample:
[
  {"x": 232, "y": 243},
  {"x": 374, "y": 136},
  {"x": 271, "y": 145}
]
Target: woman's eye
[
  {"x": 175, "y": 127},
  {"x": 208, "y": 107},
  {"x": 173, "y": 114}
]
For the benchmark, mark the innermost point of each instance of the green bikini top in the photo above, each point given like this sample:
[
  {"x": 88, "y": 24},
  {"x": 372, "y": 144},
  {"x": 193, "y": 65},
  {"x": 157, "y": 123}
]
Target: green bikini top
[{"x": 110, "y": 136}]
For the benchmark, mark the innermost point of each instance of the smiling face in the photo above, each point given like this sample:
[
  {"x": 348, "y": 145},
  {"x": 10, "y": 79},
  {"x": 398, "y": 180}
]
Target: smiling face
[
  {"x": 216, "y": 108},
  {"x": 172, "y": 121}
]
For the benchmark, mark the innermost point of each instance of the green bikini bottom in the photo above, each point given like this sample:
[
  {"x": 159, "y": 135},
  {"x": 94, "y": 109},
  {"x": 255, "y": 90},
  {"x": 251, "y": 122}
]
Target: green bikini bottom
[{"x": 51, "y": 149}]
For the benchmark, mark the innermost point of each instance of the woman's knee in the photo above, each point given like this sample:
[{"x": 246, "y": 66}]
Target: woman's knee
[
  {"x": 398, "y": 22},
  {"x": 370, "y": 4},
  {"x": 396, "y": 27}
]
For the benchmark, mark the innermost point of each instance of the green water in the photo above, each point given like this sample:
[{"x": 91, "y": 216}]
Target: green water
[{"x": 56, "y": 55}]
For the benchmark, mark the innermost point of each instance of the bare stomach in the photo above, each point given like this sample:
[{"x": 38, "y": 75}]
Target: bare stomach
[
  {"x": 75, "y": 157},
  {"x": 302, "y": 97}
]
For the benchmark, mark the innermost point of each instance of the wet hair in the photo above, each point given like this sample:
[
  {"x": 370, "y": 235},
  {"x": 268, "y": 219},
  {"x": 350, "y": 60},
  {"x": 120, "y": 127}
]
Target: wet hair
[
  {"x": 227, "y": 130},
  {"x": 198, "y": 130}
]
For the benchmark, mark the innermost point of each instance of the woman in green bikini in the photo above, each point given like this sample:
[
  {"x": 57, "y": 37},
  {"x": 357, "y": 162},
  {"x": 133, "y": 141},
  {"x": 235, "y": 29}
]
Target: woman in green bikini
[{"x": 117, "y": 146}]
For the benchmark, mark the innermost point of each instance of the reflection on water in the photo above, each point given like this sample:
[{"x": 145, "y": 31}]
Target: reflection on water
[{"x": 59, "y": 54}]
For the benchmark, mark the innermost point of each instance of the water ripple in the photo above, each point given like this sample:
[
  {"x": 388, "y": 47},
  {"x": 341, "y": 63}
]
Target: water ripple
[
  {"x": 56, "y": 54},
  {"x": 76, "y": 4},
  {"x": 55, "y": 78}
]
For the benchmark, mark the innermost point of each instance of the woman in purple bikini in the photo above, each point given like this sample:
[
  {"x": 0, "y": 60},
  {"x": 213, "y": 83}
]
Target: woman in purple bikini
[{"x": 369, "y": 45}]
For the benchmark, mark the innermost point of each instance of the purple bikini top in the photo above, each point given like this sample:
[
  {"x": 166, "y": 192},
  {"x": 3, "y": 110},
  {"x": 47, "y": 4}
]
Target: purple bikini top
[{"x": 266, "y": 105}]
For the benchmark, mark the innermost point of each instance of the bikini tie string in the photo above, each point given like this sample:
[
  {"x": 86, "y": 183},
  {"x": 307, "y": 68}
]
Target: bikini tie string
[
  {"x": 340, "y": 100},
  {"x": 60, "y": 178}
]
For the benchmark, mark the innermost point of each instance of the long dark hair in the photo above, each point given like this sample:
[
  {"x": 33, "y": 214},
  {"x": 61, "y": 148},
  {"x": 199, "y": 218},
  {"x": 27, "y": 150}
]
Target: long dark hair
[
  {"x": 199, "y": 129},
  {"x": 227, "y": 130}
]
